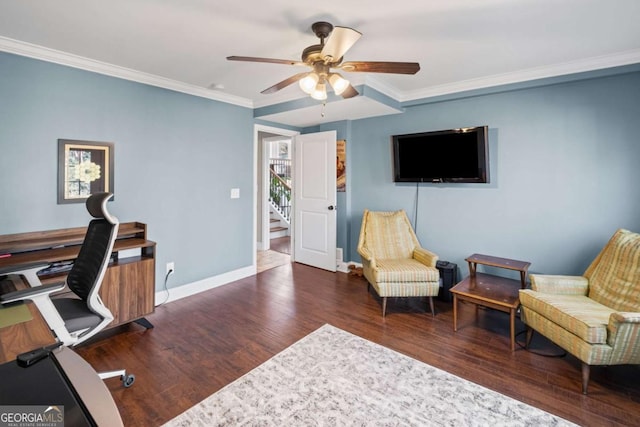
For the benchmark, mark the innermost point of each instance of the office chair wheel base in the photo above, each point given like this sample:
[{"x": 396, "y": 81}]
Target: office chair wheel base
[{"x": 127, "y": 380}]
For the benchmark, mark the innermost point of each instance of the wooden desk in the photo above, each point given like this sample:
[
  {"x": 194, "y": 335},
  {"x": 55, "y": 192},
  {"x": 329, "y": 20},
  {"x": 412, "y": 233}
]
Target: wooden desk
[
  {"x": 128, "y": 286},
  {"x": 491, "y": 291},
  {"x": 25, "y": 336}
]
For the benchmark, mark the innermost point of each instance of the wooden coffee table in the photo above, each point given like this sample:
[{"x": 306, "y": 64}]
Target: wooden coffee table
[{"x": 488, "y": 290}]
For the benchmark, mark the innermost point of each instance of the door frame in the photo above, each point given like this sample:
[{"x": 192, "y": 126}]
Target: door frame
[{"x": 261, "y": 183}]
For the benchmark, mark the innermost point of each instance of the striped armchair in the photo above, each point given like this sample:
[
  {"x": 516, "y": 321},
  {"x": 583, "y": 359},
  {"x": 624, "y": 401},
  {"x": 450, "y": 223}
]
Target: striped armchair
[
  {"x": 596, "y": 316},
  {"x": 393, "y": 261}
]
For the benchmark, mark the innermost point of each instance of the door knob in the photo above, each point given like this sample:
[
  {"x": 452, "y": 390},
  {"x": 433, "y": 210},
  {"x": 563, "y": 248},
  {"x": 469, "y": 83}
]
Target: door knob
[{"x": 331, "y": 207}]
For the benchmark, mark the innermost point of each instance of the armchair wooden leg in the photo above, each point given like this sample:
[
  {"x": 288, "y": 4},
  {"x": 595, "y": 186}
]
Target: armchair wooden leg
[
  {"x": 586, "y": 369},
  {"x": 529, "y": 336},
  {"x": 433, "y": 311},
  {"x": 384, "y": 306}
]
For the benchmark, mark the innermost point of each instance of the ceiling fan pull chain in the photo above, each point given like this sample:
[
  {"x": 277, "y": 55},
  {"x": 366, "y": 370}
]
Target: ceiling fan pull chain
[{"x": 324, "y": 104}]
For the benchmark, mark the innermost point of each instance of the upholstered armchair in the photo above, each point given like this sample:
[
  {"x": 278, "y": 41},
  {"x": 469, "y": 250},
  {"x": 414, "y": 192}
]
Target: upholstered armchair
[
  {"x": 596, "y": 316},
  {"x": 393, "y": 262}
]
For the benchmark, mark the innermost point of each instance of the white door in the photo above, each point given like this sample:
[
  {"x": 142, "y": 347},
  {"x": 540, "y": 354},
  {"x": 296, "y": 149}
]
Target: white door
[{"x": 314, "y": 204}]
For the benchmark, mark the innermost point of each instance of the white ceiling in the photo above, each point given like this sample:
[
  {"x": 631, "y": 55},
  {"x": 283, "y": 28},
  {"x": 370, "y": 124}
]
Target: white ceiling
[{"x": 460, "y": 44}]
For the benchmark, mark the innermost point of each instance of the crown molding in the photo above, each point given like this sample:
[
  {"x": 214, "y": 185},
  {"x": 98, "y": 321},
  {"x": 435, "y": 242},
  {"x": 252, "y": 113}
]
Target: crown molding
[
  {"x": 82, "y": 63},
  {"x": 382, "y": 87},
  {"x": 556, "y": 70},
  {"x": 573, "y": 67}
]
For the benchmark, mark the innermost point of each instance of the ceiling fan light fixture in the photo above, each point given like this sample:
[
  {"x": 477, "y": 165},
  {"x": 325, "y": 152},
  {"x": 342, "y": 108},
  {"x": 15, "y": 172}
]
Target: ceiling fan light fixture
[
  {"x": 320, "y": 92},
  {"x": 338, "y": 84},
  {"x": 309, "y": 82},
  {"x": 328, "y": 55}
]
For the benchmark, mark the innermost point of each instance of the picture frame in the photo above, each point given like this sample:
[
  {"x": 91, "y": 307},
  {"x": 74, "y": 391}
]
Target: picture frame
[
  {"x": 341, "y": 166},
  {"x": 84, "y": 168},
  {"x": 283, "y": 149}
]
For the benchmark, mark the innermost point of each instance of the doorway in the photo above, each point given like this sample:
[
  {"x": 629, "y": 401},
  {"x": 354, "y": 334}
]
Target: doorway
[
  {"x": 272, "y": 152},
  {"x": 271, "y": 258},
  {"x": 278, "y": 167},
  {"x": 312, "y": 198}
]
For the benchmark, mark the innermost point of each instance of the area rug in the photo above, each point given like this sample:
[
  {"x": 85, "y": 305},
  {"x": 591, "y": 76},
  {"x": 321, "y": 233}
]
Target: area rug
[{"x": 334, "y": 378}]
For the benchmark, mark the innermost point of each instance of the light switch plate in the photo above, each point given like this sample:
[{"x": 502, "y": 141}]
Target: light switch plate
[{"x": 235, "y": 193}]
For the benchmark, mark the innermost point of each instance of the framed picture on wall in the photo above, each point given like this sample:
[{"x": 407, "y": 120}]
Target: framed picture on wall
[
  {"x": 341, "y": 165},
  {"x": 84, "y": 168}
]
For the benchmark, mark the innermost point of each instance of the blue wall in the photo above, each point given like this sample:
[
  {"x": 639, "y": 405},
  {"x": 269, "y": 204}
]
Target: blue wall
[
  {"x": 564, "y": 174},
  {"x": 564, "y": 168},
  {"x": 176, "y": 159}
]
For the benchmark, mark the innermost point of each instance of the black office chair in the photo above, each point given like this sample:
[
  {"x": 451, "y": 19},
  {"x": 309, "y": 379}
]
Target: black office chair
[{"x": 79, "y": 317}]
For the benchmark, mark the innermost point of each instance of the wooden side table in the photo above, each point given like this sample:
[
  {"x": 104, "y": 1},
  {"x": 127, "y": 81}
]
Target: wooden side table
[
  {"x": 509, "y": 264},
  {"x": 491, "y": 291}
]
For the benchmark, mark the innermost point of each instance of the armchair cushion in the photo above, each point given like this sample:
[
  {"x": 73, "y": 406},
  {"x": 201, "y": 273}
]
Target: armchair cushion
[
  {"x": 404, "y": 270},
  {"x": 583, "y": 317}
]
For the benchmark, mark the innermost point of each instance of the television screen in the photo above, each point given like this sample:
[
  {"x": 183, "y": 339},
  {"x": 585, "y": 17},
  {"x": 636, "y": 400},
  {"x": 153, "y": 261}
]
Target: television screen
[{"x": 454, "y": 155}]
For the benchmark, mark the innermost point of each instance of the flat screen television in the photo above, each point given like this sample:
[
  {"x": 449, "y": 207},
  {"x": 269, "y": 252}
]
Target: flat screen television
[{"x": 454, "y": 155}]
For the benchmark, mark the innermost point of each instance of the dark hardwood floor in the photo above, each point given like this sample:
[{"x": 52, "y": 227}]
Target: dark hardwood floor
[
  {"x": 201, "y": 343},
  {"x": 281, "y": 244}
]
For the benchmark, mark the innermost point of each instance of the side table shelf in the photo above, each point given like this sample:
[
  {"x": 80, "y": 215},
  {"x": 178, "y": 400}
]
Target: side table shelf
[
  {"x": 506, "y": 263},
  {"x": 491, "y": 291}
]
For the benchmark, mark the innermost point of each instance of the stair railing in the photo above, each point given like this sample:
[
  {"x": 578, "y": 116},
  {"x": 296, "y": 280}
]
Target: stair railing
[{"x": 280, "y": 187}]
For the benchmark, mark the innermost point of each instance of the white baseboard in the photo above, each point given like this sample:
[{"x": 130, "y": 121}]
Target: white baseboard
[
  {"x": 203, "y": 285},
  {"x": 343, "y": 267},
  {"x": 189, "y": 289}
]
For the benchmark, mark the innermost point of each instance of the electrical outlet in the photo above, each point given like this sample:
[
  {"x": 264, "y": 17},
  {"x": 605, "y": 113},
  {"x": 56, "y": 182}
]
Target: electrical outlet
[{"x": 171, "y": 267}]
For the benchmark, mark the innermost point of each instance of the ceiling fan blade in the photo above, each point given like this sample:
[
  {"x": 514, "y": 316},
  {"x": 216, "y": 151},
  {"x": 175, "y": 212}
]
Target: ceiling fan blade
[
  {"x": 349, "y": 92},
  {"x": 266, "y": 60},
  {"x": 339, "y": 42},
  {"x": 380, "y": 67},
  {"x": 286, "y": 82}
]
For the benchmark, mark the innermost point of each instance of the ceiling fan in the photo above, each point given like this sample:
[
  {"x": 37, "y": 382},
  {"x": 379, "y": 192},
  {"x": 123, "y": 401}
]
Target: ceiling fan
[{"x": 325, "y": 57}]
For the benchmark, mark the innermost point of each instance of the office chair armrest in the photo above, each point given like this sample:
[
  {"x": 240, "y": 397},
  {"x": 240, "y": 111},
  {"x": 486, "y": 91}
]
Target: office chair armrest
[
  {"x": 28, "y": 271},
  {"x": 41, "y": 297},
  {"x": 18, "y": 269},
  {"x": 31, "y": 293}
]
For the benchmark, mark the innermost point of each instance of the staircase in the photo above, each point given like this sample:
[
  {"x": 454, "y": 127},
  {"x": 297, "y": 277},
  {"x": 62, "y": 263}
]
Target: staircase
[
  {"x": 279, "y": 197},
  {"x": 277, "y": 227}
]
